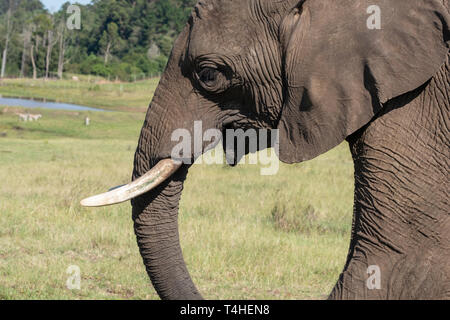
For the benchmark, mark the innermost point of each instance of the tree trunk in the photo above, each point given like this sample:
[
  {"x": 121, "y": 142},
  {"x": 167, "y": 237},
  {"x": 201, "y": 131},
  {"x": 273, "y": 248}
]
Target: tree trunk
[
  {"x": 5, "y": 53},
  {"x": 38, "y": 42},
  {"x": 49, "y": 52},
  {"x": 26, "y": 43},
  {"x": 108, "y": 48},
  {"x": 5, "y": 50},
  {"x": 33, "y": 63},
  {"x": 22, "y": 63},
  {"x": 62, "y": 49}
]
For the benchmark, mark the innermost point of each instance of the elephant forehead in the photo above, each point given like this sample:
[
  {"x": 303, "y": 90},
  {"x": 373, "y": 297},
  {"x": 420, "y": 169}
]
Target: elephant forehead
[{"x": 222, "y": 27}]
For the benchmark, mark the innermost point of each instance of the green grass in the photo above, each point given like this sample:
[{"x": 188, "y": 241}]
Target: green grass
[
  {"x": 88, "y": 91},
  {"x": 69, "y": 124},
  {"x": 244, "y": 236}
]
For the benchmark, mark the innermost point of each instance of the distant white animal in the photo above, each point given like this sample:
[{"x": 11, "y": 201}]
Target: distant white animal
[
  {"x": 34, "y": 117},
  {"x": 87, "y": 121},
  {"x": 24, "y": 116}
]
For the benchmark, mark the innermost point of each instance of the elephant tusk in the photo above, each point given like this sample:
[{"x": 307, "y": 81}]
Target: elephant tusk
[{"x": 163, "y": 170}]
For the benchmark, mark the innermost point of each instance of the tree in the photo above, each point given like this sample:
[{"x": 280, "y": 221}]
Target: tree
[
  {"x": 62, "y": 50},
  {"x": 50, "y": 43},
  {"x": 109, "y": 39},
  {"x": 32, "y": 57},
  {"x": 124, "y": 35},
  {"x": 22, "y": 15},
  {"x": 41, "y": 26},
  {"x": 8, "y": 35},
  {"x": 26, "y": 35}
]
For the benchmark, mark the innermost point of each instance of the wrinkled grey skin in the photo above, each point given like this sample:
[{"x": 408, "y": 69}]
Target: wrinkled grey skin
[{"x": 313, "y": 70}]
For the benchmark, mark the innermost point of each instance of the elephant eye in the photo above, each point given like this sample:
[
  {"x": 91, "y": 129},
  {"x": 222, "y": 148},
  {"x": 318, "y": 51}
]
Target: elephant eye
[
  {"x": 208, "y": 76},
  {"x": 214, "y": 79}
]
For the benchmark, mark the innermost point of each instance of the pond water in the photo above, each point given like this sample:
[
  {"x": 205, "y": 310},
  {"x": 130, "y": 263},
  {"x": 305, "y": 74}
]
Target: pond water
[{"x": 32, "y": 103}]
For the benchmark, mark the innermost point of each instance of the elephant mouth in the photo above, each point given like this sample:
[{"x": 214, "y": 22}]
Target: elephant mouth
[{"x": 153, "y": 178}]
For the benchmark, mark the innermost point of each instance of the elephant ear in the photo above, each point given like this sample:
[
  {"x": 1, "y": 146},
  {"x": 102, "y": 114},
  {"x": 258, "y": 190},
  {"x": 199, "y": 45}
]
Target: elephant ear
[{"x": 344, "y": 59}]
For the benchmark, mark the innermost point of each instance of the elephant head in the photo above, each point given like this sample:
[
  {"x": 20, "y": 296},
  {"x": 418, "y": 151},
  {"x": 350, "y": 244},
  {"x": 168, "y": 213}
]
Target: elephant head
[{"x": 315, "y": 70}]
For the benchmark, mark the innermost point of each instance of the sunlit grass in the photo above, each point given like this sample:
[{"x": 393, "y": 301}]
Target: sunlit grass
[
  {"x": 87, "y": 91},
  {"x": 244, "y": 236}
]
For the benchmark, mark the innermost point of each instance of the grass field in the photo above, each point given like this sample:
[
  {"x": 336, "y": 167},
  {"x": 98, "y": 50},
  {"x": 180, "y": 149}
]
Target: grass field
[
  {"x": 244, "y": 236},
  {"x": 88, "y": 91}
]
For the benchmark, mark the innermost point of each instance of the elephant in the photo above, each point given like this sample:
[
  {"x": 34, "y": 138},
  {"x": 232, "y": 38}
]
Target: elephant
[{"x": 320, "y": 73}]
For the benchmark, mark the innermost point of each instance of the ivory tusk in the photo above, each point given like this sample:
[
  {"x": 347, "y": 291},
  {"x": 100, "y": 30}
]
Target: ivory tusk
[{"x": 163, "y": 170}]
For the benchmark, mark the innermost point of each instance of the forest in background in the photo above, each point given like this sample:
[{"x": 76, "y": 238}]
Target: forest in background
[{"x": 117, "y": 39}]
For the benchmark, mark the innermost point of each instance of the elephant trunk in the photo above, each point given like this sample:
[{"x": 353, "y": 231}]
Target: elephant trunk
[
  {"x": 155, "y": 218},
  {"x": 155, "y": 213},
  {"x": 158, "y": 182}
]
